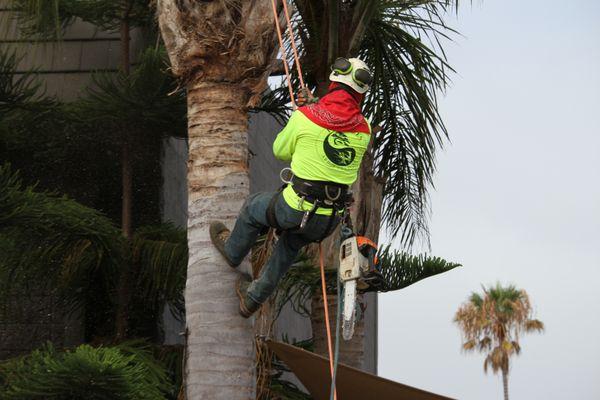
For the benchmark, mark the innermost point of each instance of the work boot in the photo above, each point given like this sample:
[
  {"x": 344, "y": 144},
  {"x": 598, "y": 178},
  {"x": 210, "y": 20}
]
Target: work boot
[
  {"x": 219, "y": 235},
  {"x": 247, "y": 305}
]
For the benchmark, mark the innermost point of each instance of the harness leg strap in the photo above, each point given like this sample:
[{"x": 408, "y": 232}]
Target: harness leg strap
[
  {"x": 271, "y": 216},
  {"x": 329, "y": 225}
]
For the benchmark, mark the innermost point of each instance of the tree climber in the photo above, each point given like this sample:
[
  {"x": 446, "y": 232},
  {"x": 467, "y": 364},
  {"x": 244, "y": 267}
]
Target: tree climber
[{"x": 325, "y": 142}]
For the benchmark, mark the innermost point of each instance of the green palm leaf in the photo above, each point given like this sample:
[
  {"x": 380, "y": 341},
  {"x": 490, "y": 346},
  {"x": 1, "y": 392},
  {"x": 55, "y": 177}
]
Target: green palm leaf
[{"x": 408, "y": 74}]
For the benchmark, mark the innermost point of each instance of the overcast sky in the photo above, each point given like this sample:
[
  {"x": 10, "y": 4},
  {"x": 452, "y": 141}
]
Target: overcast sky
[{"x": 517, "y": 201}]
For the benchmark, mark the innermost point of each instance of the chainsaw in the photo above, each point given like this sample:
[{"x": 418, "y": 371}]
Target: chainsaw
[{"x": 358, "y": 271}]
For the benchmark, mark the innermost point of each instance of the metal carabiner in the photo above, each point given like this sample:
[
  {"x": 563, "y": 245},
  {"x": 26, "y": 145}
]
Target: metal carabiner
[
  {"x": 301, "y": 203},
  {"x": 339, "y": 193},
  {"x": 288, "y": 181},
  {"x": 308, "y": 214}
]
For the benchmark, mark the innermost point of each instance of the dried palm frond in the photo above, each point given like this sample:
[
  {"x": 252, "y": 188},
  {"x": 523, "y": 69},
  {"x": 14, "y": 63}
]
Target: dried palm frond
[{"x": 493, "y": 322}]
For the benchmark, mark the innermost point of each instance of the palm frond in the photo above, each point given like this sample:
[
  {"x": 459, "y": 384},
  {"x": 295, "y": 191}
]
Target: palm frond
[
  {"x": 469, "y": 345},
  {"x": 276, "y": 102},
  {"x": 476, "y": 299},
  {"x": 485, "y": 343},
  {"x": 534, "y": 325},
  {"x": 408, "y": 75},
  {"x": 400, "y": 269},
  {"x": 495, "y": 320},
  {"x": 516, "y": 346}
]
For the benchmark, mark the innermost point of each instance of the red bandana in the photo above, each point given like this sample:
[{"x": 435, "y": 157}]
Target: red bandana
[{"x": 338, "y": 111}]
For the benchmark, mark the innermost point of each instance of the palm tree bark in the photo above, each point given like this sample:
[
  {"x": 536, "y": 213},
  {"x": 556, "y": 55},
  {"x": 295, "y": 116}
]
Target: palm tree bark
[
  {"x": 505, "y": 383},
  {"x": 368, "y": 199},
  {"x": 220, "y": 362},
  {"x": 224, "y": 52},
  {"x": 351, "y": 352},
  {"x": 333, "y": 31}
]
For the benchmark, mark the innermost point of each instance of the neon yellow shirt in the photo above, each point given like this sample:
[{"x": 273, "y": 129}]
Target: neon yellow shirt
[{"x": 318, "y": 154}]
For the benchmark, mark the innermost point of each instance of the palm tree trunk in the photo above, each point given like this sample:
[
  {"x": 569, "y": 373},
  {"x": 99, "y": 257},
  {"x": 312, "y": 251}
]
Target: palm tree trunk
[
  {"x": 220, "y": 361},
  {"x": 334, "y": 30},
  {"x": 127, "y": 181},
  {"x": 124, "y": 290},
  {"x": 505, "y": 383},
  {"x": 351, "y": 352},
  {"x": 368, "y": 199}
]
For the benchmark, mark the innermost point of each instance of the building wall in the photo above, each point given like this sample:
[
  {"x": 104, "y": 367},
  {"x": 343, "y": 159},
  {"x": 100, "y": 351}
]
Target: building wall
[
  {"x": 65, "y": 69},
  {"x": 32, "y": 319}
]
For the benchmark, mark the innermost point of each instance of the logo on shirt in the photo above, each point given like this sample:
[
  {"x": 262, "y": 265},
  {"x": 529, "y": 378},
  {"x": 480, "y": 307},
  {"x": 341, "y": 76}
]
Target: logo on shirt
[{"x": 337, "y": 149}]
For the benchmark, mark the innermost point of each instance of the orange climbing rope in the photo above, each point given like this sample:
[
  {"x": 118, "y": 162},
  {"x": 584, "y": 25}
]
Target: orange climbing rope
[
  {"x": 283, "y": 52},
  {"x": 291, "y": 90},
  {"x": 293, "y": 41},
  {"x": 326, "y": 306}
]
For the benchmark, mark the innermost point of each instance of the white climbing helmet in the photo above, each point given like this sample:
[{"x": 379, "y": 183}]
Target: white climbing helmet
[{"x": 352, "y": 72}]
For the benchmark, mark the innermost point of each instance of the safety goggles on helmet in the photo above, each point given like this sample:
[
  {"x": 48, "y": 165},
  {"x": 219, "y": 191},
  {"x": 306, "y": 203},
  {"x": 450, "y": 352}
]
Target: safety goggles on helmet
[{"x": 361, "y": 76}]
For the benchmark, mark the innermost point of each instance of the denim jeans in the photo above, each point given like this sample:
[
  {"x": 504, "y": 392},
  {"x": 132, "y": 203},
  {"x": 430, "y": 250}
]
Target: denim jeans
[{"x": 253, "y": 220}]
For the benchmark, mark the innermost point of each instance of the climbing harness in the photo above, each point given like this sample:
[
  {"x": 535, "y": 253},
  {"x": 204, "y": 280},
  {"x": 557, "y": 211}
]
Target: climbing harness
[{"x": 321, "y": 194}]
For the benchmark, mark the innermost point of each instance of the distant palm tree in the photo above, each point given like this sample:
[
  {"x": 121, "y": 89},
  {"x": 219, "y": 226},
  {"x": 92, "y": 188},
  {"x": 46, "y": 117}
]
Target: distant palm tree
[{"x": 493, "y": 323}]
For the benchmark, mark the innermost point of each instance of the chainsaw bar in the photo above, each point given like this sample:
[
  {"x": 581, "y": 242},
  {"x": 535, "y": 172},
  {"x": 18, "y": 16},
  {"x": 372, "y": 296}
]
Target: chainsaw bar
[{"x": 349, "y": 309}]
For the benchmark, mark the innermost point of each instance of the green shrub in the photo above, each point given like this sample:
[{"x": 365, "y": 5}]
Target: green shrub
[{"x": 102, "y": 373}]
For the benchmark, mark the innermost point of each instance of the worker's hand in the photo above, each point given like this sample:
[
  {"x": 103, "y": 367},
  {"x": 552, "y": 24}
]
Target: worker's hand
[{"x": 305, "y": 97}]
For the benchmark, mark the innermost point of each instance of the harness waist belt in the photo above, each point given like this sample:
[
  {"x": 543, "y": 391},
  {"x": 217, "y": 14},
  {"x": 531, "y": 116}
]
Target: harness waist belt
[{"x": 328, "y": 194}]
